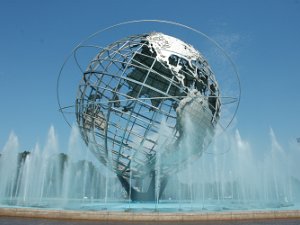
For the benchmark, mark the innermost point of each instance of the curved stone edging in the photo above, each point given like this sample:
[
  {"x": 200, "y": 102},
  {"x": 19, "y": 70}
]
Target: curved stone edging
[{"x": 148, "y": 216}]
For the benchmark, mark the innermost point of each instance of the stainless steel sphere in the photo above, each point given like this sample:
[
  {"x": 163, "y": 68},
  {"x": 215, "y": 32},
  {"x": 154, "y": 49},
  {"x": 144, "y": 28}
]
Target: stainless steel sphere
[{"x": 140, "y": 97}]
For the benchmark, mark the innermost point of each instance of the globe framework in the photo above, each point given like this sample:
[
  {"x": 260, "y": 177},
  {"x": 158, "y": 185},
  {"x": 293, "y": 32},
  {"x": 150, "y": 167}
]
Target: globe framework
[{"x": 140, "y": 100}]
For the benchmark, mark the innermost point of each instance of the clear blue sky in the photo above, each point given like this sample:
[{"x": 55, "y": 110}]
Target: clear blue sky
[{"x": 262, "y": 37}]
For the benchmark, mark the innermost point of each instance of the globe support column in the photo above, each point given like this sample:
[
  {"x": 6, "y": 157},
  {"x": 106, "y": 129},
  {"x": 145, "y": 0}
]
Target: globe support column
[{"x": 149, "y": 195}]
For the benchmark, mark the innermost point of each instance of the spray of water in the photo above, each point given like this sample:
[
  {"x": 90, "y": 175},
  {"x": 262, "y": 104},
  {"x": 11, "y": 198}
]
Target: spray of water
[
  {"x": 242, "y": 178},
  {"x": 49, "y": 178}
]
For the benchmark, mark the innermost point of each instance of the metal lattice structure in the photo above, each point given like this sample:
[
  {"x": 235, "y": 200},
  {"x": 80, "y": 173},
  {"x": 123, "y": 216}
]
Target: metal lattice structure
[{"x": 132, "y": 87}]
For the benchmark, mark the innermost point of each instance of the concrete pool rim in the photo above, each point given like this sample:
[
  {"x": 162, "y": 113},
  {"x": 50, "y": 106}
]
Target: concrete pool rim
[{"x": 149, "y": 216}]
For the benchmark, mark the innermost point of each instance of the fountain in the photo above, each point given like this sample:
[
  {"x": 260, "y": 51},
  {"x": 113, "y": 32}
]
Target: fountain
[{"x": 240, "y": 179}]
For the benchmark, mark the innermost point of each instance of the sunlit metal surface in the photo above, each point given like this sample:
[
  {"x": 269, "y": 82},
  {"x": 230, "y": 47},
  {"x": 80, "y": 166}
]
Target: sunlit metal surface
[{"x": 130, "y": 89}]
